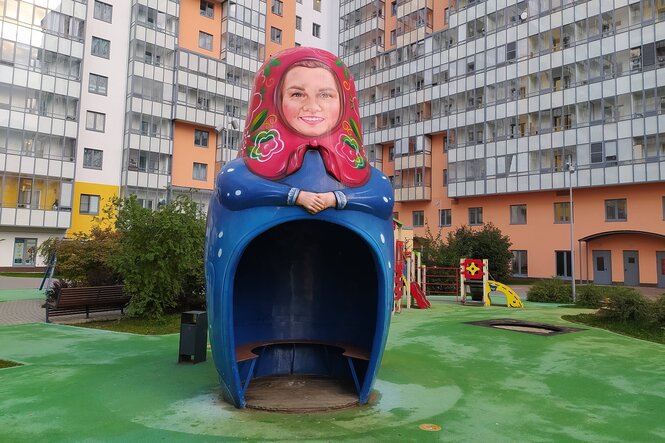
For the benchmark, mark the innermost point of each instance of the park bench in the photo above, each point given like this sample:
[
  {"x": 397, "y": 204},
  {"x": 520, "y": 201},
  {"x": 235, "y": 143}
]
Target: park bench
[
  {"x": 252, "y": 351},
  {"x": 87, "y": 300}
]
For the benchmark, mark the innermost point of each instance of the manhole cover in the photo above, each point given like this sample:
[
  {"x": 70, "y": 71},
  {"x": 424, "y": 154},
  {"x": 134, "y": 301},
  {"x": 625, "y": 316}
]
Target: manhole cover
[{"x": 525, "y": 327}]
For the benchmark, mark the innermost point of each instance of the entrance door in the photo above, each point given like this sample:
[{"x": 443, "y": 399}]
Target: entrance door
[
  {"x": 602, "y": 267},
  {"x": 660, "y": 271},
  {"x": 631, "y": 268}
]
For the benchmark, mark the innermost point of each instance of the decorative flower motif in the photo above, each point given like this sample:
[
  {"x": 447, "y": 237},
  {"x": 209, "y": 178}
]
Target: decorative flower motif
[
  {"x": 349, "y": 149},
  {"x": 266, "y": 144}
]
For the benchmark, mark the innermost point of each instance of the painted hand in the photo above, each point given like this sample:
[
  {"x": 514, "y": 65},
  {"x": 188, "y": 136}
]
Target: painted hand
[{"x": 315, "y": 203}]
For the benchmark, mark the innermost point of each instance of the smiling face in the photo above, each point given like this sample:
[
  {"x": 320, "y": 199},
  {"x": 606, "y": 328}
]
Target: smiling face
[{"x": 310, "y": 100}]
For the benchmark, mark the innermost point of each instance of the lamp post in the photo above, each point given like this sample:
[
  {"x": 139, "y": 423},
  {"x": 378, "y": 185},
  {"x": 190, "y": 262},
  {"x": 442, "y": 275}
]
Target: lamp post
[{"x": 571, "y": 170}]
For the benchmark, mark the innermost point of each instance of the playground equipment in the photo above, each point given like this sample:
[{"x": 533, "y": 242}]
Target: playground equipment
[
  {"x": 294, "y": 292},
  {"x": 409, "y": 276},
  {"x": 474, "y": 277}
]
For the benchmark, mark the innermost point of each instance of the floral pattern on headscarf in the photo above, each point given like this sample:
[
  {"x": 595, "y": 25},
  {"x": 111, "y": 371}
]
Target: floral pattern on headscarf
[{"x": 273, "y": 150}]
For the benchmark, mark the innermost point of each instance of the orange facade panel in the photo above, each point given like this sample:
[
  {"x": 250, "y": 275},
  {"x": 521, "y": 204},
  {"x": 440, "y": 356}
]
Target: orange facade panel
[
  {"x": 193, "y": 164},
  {"x": 280, "y": 26},
  {"x": 541, "y": 236},
  {"x": 200, "y": 27}
]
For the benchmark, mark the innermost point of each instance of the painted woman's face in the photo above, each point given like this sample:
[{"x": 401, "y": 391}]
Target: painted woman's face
[{"x": 310, "y": 100}]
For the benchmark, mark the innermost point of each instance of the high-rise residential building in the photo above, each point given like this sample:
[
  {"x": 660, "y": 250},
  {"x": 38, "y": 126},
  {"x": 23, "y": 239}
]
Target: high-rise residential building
[
  {"x": 479, "y": 111},
  {"x": 110, "y": 98},
  {"x": 484, "y": 111}
]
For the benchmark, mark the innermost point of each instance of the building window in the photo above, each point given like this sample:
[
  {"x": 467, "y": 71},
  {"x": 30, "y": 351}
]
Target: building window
[
  {"x": 446, "y": 15},
  {"x": 298, "y": 23},
  {"x": 393, "y": 37},
  {"x": 316, "y": 4},
  {"x": 475, "y": 216},
  {"x": 101, "y": 47},
  {"x": 93, "y": 158},
  {"x": 95, "y": 121},
  {"x": 563, "y": 264},
  {"x": 103, "y": 11},
  {"x": 393, "y": 8},
  {"x": 445, "y": 177},
  {"x": 89, "y": 204},
  {"x": 205, "y": 40},
  {"x": 207, "y": 9},
  {"x": 277, "y": 7},
  {"x": 316, "y": 30},
  {"x": 202, "y": 100},
  {"x": 276, "y": 35},
  {"x": 25, "y": 250},
  {"x": 201, "y": 138},
  {"x": 562, "y": 212},
  {"x": 518, "y": 214},
  {"x": 200, "y": 171},
  {"x": 616, "y": 210},
  {"x": 445, "y": 217},
  {"x": 98, "y": 84},
  {"x": 520, "y": 267},
  {"x": 418, "y": 218}
]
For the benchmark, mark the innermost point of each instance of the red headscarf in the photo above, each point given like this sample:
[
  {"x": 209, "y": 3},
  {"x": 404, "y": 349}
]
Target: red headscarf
[{"x": 272, "y": 149}]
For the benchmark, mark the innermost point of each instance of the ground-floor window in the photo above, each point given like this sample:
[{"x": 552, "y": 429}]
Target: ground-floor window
[
  {"x": 520, "y": 266},
  {"x": 563, "y": 264},
  {"x": 25, "y": 250}
]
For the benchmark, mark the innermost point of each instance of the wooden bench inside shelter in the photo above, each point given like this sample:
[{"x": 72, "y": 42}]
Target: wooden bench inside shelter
[
  {"x": 86, "y": 300},
  {"x": 252, "y": 351}
]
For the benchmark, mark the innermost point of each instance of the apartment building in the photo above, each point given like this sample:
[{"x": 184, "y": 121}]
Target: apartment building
[
  {"x": 492, "y": 111},
  {"x": 40, "y": 91},
  {"x": 114, "y": 98}
]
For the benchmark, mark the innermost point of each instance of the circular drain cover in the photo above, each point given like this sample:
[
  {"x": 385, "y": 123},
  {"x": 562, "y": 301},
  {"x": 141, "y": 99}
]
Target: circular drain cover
[{"x": 300, "y": 393}]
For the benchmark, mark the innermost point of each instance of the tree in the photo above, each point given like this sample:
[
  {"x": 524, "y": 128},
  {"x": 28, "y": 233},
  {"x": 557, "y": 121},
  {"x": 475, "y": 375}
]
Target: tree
[
  {"x": 468, "y": 242},
  {"x": 161, "y": 255},
  {"x": 85, "y": 259}
]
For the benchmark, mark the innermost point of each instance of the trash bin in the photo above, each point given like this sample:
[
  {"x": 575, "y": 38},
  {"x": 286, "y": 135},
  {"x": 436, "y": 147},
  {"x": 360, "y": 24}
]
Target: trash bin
[{"x": 193, "y": 336}]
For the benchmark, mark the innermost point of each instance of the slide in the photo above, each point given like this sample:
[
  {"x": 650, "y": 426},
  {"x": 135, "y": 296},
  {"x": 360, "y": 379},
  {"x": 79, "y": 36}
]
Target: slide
[
  {"x": 512, "y": 299},
  {"x": 418, "y": 294}
]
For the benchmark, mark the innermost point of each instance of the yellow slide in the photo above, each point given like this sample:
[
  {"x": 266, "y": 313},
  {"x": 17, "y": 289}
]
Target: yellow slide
[{"x": 512, "y": 299}]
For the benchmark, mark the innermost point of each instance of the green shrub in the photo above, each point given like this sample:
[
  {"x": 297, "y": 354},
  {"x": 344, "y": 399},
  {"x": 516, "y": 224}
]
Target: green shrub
[
  {"x": 554, "y": 290},
  {"x": 160, "y": 256},
  {"x": 659, "y": 310},
  {"x": 591, "y": 296},
  {"x": 628, "y": 305}
]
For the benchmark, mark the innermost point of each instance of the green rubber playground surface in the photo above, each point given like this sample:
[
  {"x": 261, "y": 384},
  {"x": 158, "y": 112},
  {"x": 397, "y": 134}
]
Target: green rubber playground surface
[{"x": 476, "y": 383}]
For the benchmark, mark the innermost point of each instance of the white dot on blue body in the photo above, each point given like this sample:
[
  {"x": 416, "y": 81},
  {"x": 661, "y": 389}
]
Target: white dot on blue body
[
  {"x": 389, "y": 266},
  {"x": 238, "y": 192},
  {"x": 385, "y": 199},
  {"x": 384, "y": 177},
  {"x": 383, "y": 239},
  {"x": 221, "y": 234},
  {"x": 227, "y": 194},
  {"x": 230, "y": 170},
  {"x": 219, "y": 253}
]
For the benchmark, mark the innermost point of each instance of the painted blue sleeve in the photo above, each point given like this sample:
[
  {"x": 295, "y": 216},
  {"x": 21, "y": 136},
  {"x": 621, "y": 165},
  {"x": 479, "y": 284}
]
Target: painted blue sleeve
[
  {"x": 237, "y": 188},
  {"x": 375, "y": 197}
]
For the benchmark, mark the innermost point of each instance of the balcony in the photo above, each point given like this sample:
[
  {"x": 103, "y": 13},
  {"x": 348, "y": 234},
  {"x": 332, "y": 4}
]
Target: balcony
[
  {"x": 413, "y": 193},
  {"x": 35, "y": 218},
  {"x": 415, "y": 160}
]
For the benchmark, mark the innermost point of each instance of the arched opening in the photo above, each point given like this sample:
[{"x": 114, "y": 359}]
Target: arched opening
[{"x": 306, "y": 292}]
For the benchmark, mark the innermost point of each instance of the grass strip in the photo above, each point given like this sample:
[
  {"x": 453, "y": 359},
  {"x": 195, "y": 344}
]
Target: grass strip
[
  {"x": 169, "y": 324},
  {"x": 651, "y": 333},
  {"x": 22, "y": 274}
]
